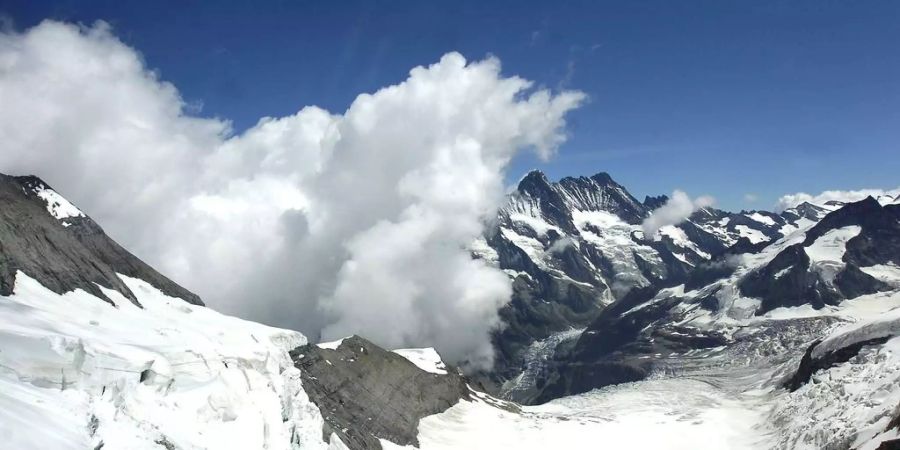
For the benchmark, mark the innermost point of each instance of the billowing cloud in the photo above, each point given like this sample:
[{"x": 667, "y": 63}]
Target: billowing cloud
[
  {"x": 792, "y": 200},
  {"x": 329, "y": 223},
  {"x": 676, "y": 210}
]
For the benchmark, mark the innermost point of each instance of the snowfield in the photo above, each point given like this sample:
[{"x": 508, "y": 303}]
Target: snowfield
[
  {"x": 851, "y": 404},
  {"x": 77, "y": 372},
  {"x": 681, "y": 414},
  {"x": 831, "y": 246}
]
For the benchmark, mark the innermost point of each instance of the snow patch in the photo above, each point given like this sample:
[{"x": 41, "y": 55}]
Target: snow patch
[
  {"x": 887, "y": 273},
  {"x": 755, "y": 236},
  {"x": 680, "y": 238},
  {"x": 765, "y": 220},
  {"x": 539, "y": 226},
  {"x": 333, "y": 345},
  {"x": 426, "y": 359},
  {"x": 57, "y": 206},
  {"x": 831, "y": 246}
]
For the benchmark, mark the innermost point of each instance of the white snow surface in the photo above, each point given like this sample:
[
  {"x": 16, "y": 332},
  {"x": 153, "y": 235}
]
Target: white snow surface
[
  {"x": 832, "y": 245},
  {"x": 676, "y": 414},
  {"x": 71, "y": 368},
  {"x": 57, "y": 206},
  {"x": 76, "y": 372},
  {"x": 849, "y": 405},
  {"x": 539, "y": 225},
  {"x": 426, "y": 359},
  {"x": 888, "y": 273},
  {"x": 755, "y": 236},
  {"x": 614, "y": 241},
  {"x": 765, "y": 220},
  {"x": 680, "y": 238},
  {"x": 332, "y": 345}
]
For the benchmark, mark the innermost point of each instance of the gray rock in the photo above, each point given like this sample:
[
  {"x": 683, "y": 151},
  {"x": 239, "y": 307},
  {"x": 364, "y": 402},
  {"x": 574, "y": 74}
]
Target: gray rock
[
  {"x": 366, "y": 393},
  {"x": 65, "y": 255}
]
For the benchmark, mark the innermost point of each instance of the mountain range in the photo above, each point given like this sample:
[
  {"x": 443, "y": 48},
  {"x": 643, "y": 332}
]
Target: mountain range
[{"x": 753, "y": 329}]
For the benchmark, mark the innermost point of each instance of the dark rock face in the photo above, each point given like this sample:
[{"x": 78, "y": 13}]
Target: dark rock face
[
  {"x": 654, "y": 202},
  {"x": 893, "y": 444},
  {"x": 366, "y": 393},
  {"x": 528, "y": 316},
  {"x": 879, "y": 239},
  {"x": 63, "y": 256},
  {"x": 804, "y": 210},
  {"x": 744, "y": 245},
  {"x": 579, "y": 377},
  {"x": 789, "y": 279},
  {"x": 601, "y": 193},
  {"x": 809, "y": 365},
  {"x": 618, "y": 346}
]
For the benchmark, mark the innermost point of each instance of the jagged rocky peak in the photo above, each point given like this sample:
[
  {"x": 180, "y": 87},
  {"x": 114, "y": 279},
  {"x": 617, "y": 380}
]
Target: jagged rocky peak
[
  {"x": 557, "y": 200},
  {"x": 867, "y": 213},
  {"x": 49, "y": 239},
  {"x": 533, "y": 182},
  {"x": 805, "y": 210},
  {"x": 654, "y": 202}
]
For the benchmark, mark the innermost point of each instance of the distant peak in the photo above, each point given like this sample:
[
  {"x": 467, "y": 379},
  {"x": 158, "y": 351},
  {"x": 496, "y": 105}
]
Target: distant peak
[
  {"x": 533, "y": 179},
  {"x": 655, "y": 202},
  {"x": 535, "y": 173},
  {"x": 603, "y": 178},
  {"x": 30, "y": 182},
  {"x": 867, "y": 203}
]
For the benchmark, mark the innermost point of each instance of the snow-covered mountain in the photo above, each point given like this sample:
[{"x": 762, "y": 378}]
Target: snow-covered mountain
[
  {"x": 98, "y": 350},
  {"x": 575, "y": 246},
  {"x": 717, "y": 295},
  {"x": 750, "y": 330}
]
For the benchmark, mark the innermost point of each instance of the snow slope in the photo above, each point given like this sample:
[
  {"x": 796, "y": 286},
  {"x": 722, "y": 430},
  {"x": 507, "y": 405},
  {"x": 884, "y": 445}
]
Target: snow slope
[
  {"x": 678, "y": 414},
  {"x": 57, "y": 206},
  {"x": 426, "y": 359},
  {"x": 849, "y": 405},
  {"x": 77, "y": 372}
]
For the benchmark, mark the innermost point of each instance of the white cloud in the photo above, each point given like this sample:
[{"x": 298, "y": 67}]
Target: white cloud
[
  {"x": 751, "y": 198},
  {"x": 328, "y": 223},
  {"x": 676, "y": 210},
  {"x": 792, "y": 200}
]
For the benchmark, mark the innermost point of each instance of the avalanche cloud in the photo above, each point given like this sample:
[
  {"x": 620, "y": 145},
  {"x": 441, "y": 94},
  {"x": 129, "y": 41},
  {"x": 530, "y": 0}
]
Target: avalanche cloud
[
  {"x": 676, "y": 210},
  {"x": 328, "y": 223}
]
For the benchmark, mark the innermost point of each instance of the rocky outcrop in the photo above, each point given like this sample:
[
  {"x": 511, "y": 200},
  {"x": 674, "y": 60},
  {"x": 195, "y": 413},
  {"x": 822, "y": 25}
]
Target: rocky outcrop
[
  {"x": 791, "y": 280},
  {"x": 366, "y": 393},
  {"x": 811, "y": 363},
  {"x": 64, "y": 252}
]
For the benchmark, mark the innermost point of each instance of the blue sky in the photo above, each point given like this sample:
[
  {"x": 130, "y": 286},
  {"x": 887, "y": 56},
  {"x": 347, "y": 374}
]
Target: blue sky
[{"x": 713, "y": 97}]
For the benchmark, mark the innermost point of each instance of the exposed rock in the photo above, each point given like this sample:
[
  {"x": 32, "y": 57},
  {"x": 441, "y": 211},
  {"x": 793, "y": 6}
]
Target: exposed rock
[
  {"x": 65, "y": 254},
  {"x": 654, "y": 202},
  {"x": 811, "y": 364},
  {"x": 893, "y": 444},
  {"x": 789, "y": 280},
  {"x": 366, "y": 393}
]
